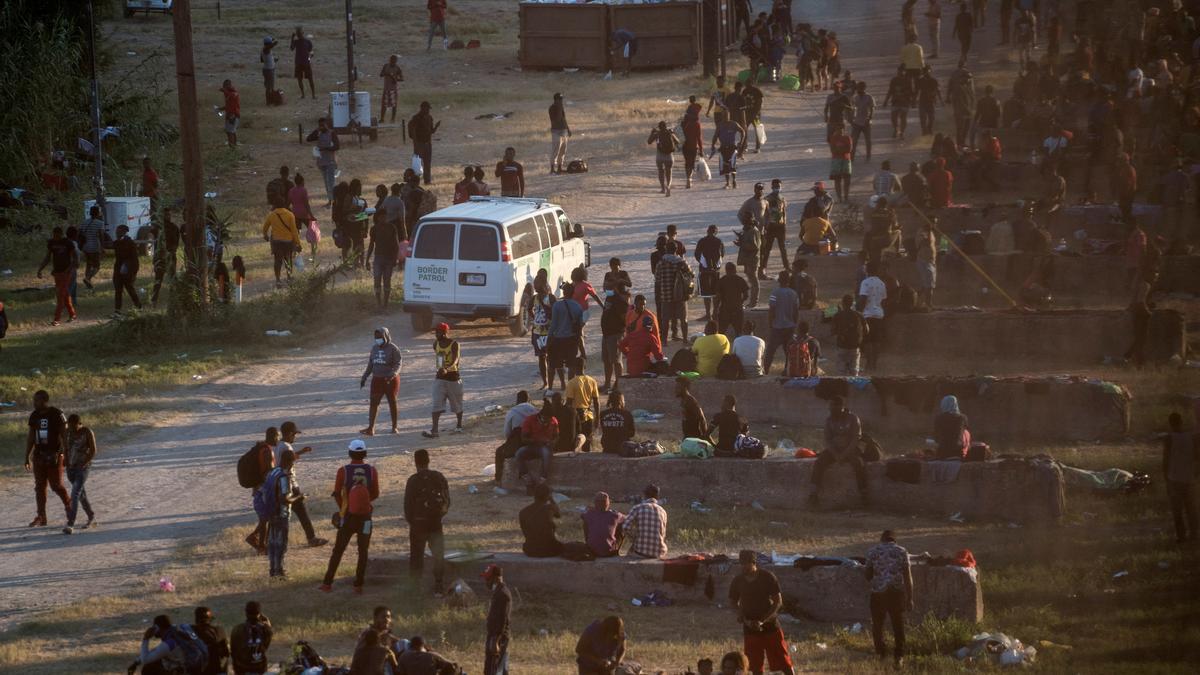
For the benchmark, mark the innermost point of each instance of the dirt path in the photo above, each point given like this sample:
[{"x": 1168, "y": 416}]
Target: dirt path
[{"x": 176, "y": 482}]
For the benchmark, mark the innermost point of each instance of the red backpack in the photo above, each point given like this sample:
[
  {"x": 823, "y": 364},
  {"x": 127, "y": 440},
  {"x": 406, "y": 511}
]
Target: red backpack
[
  {"x": 356, "y": 489},
  {"x": 800, "y": 362}
]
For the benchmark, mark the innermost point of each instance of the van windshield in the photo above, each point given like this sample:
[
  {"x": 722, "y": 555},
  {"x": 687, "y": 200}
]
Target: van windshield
[
  {"x": 478, "y": 242},
  {"x": 435, "y": 241}
]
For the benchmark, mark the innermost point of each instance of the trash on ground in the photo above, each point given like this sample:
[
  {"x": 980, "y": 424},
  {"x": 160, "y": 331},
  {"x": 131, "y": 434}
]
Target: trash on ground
[
  {"x": 822, "y": 645},
  {"x": 559, "y": 498},
  {"x": 958, "y": 517},
  {"x": 279, "y": 333},
  {"x": 472, "y": 489},
  {"x": 499, "y": 491},
  {"x": 757, "y": 506},
  {"x": 166, "y": 585},
  {"x": 489, "y": 470},
  {"x": 856, "y": 629},
  {"x": 699, "y": 507},
  {"x": 1121, "y": 575},
  {"x": 997, "y": 648}
]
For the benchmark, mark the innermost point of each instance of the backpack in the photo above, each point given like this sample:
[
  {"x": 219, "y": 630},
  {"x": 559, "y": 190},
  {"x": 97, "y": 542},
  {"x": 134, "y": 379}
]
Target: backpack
[
  {"x": 457, "y": 44},
  {"x": 696, "y": 448},
  {"x": 248, "y": 473},
  {"x": 800, "y": 362},
  {"x": 275, "y": 97},
  {"x": 577, "y": 166},
  {"x": 749, "y": 447},
  {"x": 643, "y": 449},
  {"x": 356, "y": 490},
  {"x": 730, "y": 368},
  {"x": 191, "y": 647},
  {"x": 254, "y": 643},
  {"x": 684, "y": 360},
  {"x": 666, "y": 143},
  {"x": 276, "y": 196},
  {"x": 806, "y": 290},
  {"x": 266, "y": 498},
  {"x": 431, "y": 502},
  {"x": 428, "y": 203},
  {"x": 577, "y": 551},
  {"x": 684, "y": 284}
]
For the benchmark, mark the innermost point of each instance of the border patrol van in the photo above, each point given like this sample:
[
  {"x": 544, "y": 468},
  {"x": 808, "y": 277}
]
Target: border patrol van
[{"x": 473, "y": 260}]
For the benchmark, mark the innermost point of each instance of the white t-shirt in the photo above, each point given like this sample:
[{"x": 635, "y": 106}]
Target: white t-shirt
[
  {"x": 749, "y": 350},
  {"x": 876, "y": 292},
  {"x": 279, "y": 448}
]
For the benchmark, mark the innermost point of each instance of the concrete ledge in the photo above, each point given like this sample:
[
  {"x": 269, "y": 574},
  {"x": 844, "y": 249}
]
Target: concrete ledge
[
  {"x": 1009, "y": 490},
  {"x": 1093, "y": 281},
  {"x": 998, "y": 408},
  {"x": 832, "y": 593},
  {"x": 1030, "y": 341}
]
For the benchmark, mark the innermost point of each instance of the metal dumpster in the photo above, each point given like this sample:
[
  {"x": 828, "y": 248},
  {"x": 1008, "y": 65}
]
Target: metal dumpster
[
  {"x": 668, "y": 33},
  {"x": 563, "y": 36}
]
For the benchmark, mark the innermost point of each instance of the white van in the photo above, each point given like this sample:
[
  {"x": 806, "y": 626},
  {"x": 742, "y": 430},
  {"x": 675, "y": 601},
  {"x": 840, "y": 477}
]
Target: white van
[{"x": 473, "y": 260}]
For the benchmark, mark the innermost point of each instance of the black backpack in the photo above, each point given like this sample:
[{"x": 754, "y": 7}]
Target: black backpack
[
  {"x": 806, "y": 289},
  {"x": 730, "y": 368},
  {"x": 430, "y": 500},
  {"x": 684, "y": 361},
  {"x": 577, "y": 166},
  {"x": 276, "y": 194},
  {"x": 247, "y": 468}
]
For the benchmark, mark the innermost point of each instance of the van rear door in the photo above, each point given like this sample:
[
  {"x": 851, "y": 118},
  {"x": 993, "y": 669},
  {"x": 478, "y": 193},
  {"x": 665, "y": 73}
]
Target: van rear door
[
  {"x": 481, "y": 278},
  {"x": 431, "y": 273}
]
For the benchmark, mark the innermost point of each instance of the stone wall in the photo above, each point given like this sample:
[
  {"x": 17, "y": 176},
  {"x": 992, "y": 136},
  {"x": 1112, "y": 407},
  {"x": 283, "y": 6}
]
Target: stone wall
[
  {"x": 833, "y": 594},
  {"x": 1043, "y": 408},
  {"x": 1012, "y": 490}
]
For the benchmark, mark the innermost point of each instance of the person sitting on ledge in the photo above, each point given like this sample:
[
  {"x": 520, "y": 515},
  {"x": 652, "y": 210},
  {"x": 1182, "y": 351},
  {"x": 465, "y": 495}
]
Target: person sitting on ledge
[
  {"x": 616, "y": 425},
  {"x": 602, "y": 527},
  {"x": 538, "y": 525},
  {"x": 513, "y": 420},
  {"x": 729, "y": 424},
  {"x": 538, "y": 434},
  {"x": 646, "y": 526},
  {"x": 950, "y": 430},
  {"x": 749, "y": 348},
  {"x": 694, "y": 425},
  {"x": 569, "y": 437},
  {"x": 642, "y": 347},
  {"x": 843, "y": 431},
  {"x": 709, "y": 350}
]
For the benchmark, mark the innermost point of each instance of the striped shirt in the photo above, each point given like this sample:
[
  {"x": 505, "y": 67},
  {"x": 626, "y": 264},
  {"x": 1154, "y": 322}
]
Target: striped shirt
[{"x": 647, "y": 526}]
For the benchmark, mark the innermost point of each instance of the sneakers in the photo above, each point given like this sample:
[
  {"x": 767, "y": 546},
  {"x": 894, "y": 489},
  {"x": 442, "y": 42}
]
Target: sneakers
[
  {"x": 325, "y": 588},
  {"x": 457, "y": 430},
  {"x": 429, "y": 434},
  {"x": 317, "y": 542},
  {"x": 39, "y": 521},
  {"x": 68, "y": 529},
  {"x": 91, "y": 522}
]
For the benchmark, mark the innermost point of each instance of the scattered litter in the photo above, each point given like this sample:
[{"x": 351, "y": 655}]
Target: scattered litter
[
  {"x": 1046, "y": 644},
  {"x": 36, "y": 371},
  {"x": 543, "y": 632},
  {"x": 652, "y": 599},
  {"x": 472, "y": 489},
  {"x": 210, "y": 195},
  {"x": 131, "y": 461},
  {"x": 856, "y": 629},
  {"x": 958, "y": 517},
  {"x": 284, "y": 129},
  {"x": 197, "y": 377},
  {"x": 279, "y": 333},
  {"x": 699, "y": 507},
  {"x": 138, "y": 508},
  {"x": 489, "y": 471},
  {"x": 787, "y": 445},
  {"x": 997, "y": 648},
  {"x": 757, "y": 505},
  {"x": 1121, "y": 575},
  {"x": 1013, "y": 526},
  {"x": 607, "y": 76},
  {"x": 8, "y": 404},
  {"x": 560, "y": 498},
  {"x": 499, "y": 491},
  {"x": 130, "y": 53},
  {"x": 776, "y": 523},
  {"x": 822, "y": 645},
  {"x": 134, "y": 367},
  {"x": 493, "y": 408},
  {"x": 574, "y": 70},
  {"x": 166, "y": 585},
  {"x": 217, "y": 351},
  {"x": 808, "y": 150},
  {"x": 6, "y": 273},
  {"x": 181, "y": 356},
  {"x": 788, "y": 618},
  {"x": 470, "y": 135}
]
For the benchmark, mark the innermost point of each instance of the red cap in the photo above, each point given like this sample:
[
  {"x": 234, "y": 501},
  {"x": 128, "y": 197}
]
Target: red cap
[
  {"x": 491, "y": 571},
  {"x": 443, "y": 327}
]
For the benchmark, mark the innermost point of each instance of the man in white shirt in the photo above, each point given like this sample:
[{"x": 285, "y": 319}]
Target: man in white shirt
[
  {"x": 749, "y": 348},
  {"x": 512, "y": 425},
  {"x": 871, "y": 294}
]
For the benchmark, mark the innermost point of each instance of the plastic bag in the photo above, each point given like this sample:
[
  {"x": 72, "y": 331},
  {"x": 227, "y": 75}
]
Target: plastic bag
[
  {"x": 761, "y": 132},
  {"x": 418, "y": 166},
  {"x": 703, "y": 172}
]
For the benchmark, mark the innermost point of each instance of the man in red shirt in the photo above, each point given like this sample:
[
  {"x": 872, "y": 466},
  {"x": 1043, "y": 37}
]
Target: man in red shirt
[
  {"x": 538, "y": 433},
  {"x": 511, "y": 175},
  {"x": 840, "y": 147},
  {"x": 437, "y": 21},
  {"x": 941, "y": 185},
  {"x": 233, "y": 112},
  {"x": 150, "y": 185},
  {"x": 356, "y": 486}
]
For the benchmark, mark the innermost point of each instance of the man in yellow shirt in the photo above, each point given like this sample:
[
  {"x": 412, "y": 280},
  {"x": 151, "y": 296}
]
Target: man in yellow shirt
[
  {"x": 280, "y": 229},
  {"x": 812, "y": 231},
  {"x": 709, "y": 350},
  {"x": 912, "y": 57},
  {"x": 583, "y": 395}
]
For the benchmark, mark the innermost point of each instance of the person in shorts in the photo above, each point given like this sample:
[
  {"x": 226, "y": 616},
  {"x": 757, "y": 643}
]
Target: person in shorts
[
  {"x": 840, "y": 149},
  {"x": 447, "y": 384},
  {"x": 232, "y": 110},
  {"x": 566, "y": 326},
  {"x": 541, "y": 305}
]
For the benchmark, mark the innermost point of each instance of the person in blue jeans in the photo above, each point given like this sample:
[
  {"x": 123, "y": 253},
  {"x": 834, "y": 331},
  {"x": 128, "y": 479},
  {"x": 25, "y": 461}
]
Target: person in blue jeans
[
  {"x": 783, "y": 311},
  {"x": 81, "y": 449}
]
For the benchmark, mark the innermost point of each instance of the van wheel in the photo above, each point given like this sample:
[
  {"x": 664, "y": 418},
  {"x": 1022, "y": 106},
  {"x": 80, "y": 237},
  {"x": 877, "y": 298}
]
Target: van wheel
[
  {"x": 516, "y": 326},
  {"x": 422, "y": 322}
]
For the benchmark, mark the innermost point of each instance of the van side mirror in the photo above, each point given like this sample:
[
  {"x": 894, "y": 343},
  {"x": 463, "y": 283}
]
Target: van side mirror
[{"x": 577, "y": 230}]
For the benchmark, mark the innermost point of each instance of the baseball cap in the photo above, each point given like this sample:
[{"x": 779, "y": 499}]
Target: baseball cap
[
  {"x": 491, "y": 571},
  {"x": 288, "y": 427},
  {"x": 268, "y": 40},
  {"x": 443, "y": 327},
  {"x": 358, "y": 445}
]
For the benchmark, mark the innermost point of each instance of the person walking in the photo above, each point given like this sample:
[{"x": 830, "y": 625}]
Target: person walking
[
  {"x": 421, "y": 129},
  {"x": 303, "y": 47},
  {"x": 437, "y": 22},
  {"x": 710, "y": 256},
  {"x": 279, "y": 230},
  {"x": 961, "y": 92},
  {"x": 264, "y": 453},
  {"x": 447, "y": 382},
  {"x": 693, "y": 139},
  {"x": 125, "y": 269},
  {"x": 63, "y": 259},
  {"x": 267, "y": 57},
  {"x": 560, "y": 131},
  {"x": 305, "y": 219},
  {"x": 45, "y": 444},
  {"x": 732, "y": 293},
  {"x": 731, "y": 137},
  {"x": 232, "y": 109},
  {"x": 749, "y": 241},
  {"x": 282, "y": 492},
  {"x": 757, "y": 599},
  {"x": 511, "y": 174},
  {"x": 934, "y": 15},
  {"x": 383, "y": 253},
  {"x": 840, "y": 163},
  {"x": 355, "y": 488},
  {"x": 890, "y": 577},
  {"x": 150, "y": 187},
  {"x": 783, "y": 313},
  {"x": 929, "y": 96},
  {"x": 775, "y": 230},
  {"x": 81, "y": 449},
  {"x": 392, "y": 76},
  {"x": 327, "y": 147},
  {"x": 383, "y": 367},
  {"x": 288, "y": 431},
  {"x": 426, "y": 502},
  {"x": 671, "y": 292},
  {"x": 850, "y": 330},
  {"x": 871, "y": 294},
  {"x": 964, "y": 29},
  {"x": 166, "y": 253},
  {"x": 864, "y": 112},
  {"x": 900, "y": 97},
  {"x": 91, "y": 233},
  {"x": 666, "y": 143},
  {"x": 1181, "y": 466},
  {"x": 499, "y": 620},
  {"x": 249, "y": 641}
]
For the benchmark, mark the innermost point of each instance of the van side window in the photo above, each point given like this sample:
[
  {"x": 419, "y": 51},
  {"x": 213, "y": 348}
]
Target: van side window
[
  {"x": 478, "y": 242},
  {"x": 551, "y": 227},
  {"x": 524, "y": 238},
  {"x": 565, "y": 224},
  {"x": 542, "y": 233},
  {"x": 435, "y": 241}
]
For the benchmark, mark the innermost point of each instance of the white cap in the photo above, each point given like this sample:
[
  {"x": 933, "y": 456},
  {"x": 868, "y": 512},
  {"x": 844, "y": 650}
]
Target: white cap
[{"x": 358, "y": 445}]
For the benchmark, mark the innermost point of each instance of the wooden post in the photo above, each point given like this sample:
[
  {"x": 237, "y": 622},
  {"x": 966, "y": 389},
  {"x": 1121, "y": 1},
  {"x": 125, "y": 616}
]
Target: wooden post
[{"x": 189, "y": 140}]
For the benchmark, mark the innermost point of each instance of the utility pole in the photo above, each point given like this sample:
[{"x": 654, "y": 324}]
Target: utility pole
[
  {"x": 189, "y": 139},
  {"x": 98, "y": 139},
  {"x": 351, "y": 71}
]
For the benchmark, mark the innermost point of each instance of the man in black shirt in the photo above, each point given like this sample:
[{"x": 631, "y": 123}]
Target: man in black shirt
[
  {"x": 729, "y": 424},
  {"x": 757, "y": 598},
  {"x": 63, "y": 258},
  {"x": 44, "y": 448},
  {"x": 125, "y": 268},
  {"x": 538, "y": 526},
  {"x": 709, "y": 253},
  {"x": 426, "y": 502},
  {"x": 495, "y": 658},
  {"x": 385, "y": 246},
  {"x": 560, "y": 131},
  {"x": 213, "y": 637},
  {"x": 616, "y": 425},
  {"x": 732, "y": 293},
  {"x": 694, "y": 424},
  {"x": 421, "y": 129},
  {"x": 612, "y": 329},
  {"x": 511, "y": 175}
]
